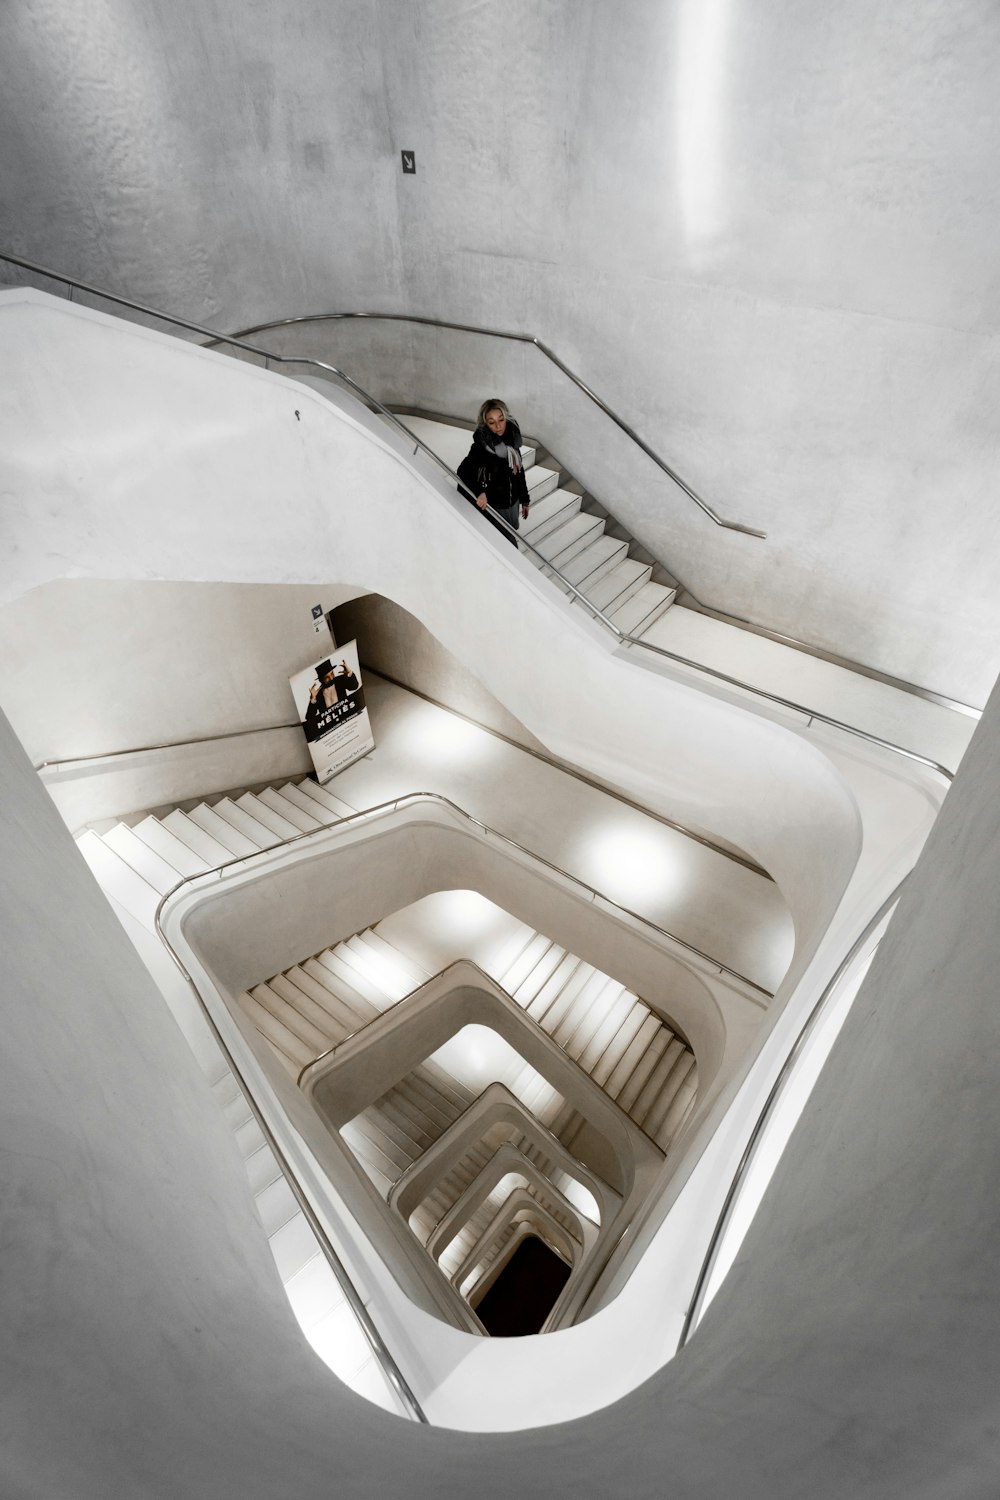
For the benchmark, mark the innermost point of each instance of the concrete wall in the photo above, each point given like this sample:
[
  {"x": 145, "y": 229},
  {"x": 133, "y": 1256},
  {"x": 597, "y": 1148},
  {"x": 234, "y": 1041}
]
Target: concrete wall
[
  {"x": 855, "y": 1349},
  {"x": 764, "y": 234},
  {"x": 91, "y": 665},
  {"x": 110, "y": 471}
]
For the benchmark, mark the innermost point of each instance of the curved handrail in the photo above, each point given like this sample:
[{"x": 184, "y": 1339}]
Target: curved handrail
[
  {"x": 524, "y": 338},
  {"x": 792, "y": 1056},
  {"x": 378, "y": 1346},
  {"x": 493, "y": 834},
  {"x": 498, "y": 521}
]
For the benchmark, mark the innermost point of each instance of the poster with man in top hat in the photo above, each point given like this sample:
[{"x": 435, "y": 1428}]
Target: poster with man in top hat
[{"x": 330, "y": 702}]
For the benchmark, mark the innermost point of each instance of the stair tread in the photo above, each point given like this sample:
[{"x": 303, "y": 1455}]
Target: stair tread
[
  {"x": 339, "y": 989},
  {"x": 549, "y": 511},
  {"x": 153, "y": 868},
  {"x": 564, "y": 541},
  {"x": 293, "y": 1020},
  {"x": 325, "y": 799},
  {"x": 273, "y": 821},
  {"x": 224, "y": 833},
  {"x": 596, "y": 558},
  {"x": 308, "y": 806},
  {"x": 303, "y": 821},
  {"x": 237, "y": 817},
  {"x": 645, "y": 606},
  {"x": 628, "y": 1089},
  {"x": 276, "y": 1032},
  {"x": 118, "y": 879},
  {"x": 189, "y": 832},
  {"x": 166, "y": 843},
  {"x": 623, "y": 1039},
  {"x": 625, "y": 577}
]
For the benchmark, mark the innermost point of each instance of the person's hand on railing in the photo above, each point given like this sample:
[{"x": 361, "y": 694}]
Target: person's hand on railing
[{"x": 481, "y": 501}]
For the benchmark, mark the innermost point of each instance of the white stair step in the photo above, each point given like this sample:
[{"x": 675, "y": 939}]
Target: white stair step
[
  {"x": 340, "y": 1017},
  {"x": 293, "y": 1246},
  {"x": 293, "y": 1021},
  {"x": 232, "y": 1101},
  {"x": 349, "y": 976},
  {"x": 382, "y": 1172},
  {"x": 594, "y": 561},
  {"x": 325, "y": 799},
  {"x": 307, "y": 806},
  {"x": 385, "y": 976},
  {"x": 144, "y": 861},
  {"x": 277, "y": 826},
  {"x": 626, "y": 1083},
  {"x": 550, "y": 511},
  {"x": 401, "y": 1132},
  {"x": 658, "y": 1080},
  {"x": 277, "y": 1033},
  {"x": 645, "y": 606},
  {"x": 601, "y": 1024},
  {"x": 277, "y": 1206},
  {"x": 340, "y": 989},
  {"x": 118, "y": 879},
  {"x": 623, "y": 1039},
  {"x": 196, "y": 838},
  {"x": 585, "y": 1014},
  {"x": 306, "y": 1007},
  {"x": 575, "y": 980},
  {"x": 667, "y": 1092},
  {"x": 169, "y": 847},
  {"x": 407, "y": 966},
  {"x": 305, "y": 822},
  {"x": 524, "y": 962},
  {"x": 426, "y": 1104},
  {"x": 540, "y": 481},
  {"x": 680, "y": 1108},
  {"x": 251, "y": 828},
  {"x": 567, "y": 540},
  {"x": 249, "y": 1138},
  {"x": 422, "y": 1127},
  {"x": 542, "y": 970},
  {"x": 618, "y": 585},
  {"x": 395, "y": 1156},
  {"x": 314, "y": 1292},
  {"x": 224, "y": 833},
  {"x": 262, "y": 1169}
]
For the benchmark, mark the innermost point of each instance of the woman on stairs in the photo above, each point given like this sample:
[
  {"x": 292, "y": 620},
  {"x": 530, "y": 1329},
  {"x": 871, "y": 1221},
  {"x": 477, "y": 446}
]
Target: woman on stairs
[{"x": 492, "y": 470}]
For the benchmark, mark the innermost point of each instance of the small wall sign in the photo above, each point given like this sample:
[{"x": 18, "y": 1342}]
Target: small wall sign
[{"x": 409, "y": 161}]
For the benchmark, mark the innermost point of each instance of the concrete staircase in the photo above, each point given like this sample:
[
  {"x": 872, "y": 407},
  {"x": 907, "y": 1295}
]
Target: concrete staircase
[{"x": 568, "y": 536}]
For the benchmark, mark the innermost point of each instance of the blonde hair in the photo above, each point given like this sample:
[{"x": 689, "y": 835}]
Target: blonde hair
[{"x": 495, "y": 405}]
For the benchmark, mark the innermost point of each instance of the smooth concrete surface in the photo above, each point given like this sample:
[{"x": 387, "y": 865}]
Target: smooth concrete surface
[
  {"x": 116, "y": 657},
  {"x": 735, "y": 916},
  {"x": 902, "y": 718},
  {"x": 853, "y": 1350},
  {"x": 765, "y": 235},
  {"x": 205, "y": 507}
]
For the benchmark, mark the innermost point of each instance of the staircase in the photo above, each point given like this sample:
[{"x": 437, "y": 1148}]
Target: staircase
[
  {"x": 309, "y": 1008},
  {"x": 570, "y": 537}
]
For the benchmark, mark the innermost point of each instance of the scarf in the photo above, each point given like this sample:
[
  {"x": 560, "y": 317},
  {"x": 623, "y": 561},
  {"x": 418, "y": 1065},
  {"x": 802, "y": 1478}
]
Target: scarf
[{"x": 500, "y": 447}]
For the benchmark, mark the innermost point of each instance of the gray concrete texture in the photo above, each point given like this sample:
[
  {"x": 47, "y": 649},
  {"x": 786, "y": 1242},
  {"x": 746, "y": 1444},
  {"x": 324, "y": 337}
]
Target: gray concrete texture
[
  {"x": 764, "y": 234},
  {"x": 854, "y": 1350}
]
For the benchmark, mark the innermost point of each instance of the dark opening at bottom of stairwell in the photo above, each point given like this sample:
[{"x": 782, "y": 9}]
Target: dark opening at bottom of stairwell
[{"x": 524, "y": 1293}]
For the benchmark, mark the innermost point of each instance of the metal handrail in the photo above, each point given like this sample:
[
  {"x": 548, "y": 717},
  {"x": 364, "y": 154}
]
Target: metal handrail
[
  {"x": 524, "y": 338},
  {"x": 498, "y": 521},
  {"x": 784, "y": 1073},
  {"x": 377, "y": 1344},
  {"x": 493, "y": 834},
  {"x": 192, "y": 739}
]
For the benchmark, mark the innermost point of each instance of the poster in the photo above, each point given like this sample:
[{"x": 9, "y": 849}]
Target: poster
[{"x": 330, "y": 702}]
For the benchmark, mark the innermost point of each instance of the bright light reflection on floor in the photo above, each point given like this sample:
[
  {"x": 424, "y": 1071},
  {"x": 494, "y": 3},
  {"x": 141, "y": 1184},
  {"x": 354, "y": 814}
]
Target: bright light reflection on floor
[
  {"x": 446, "y": 740},
  {"x": 477, "y": 1056},
  {"x": 581, "y": 1198},
  {"x": 629, "y": 864}
]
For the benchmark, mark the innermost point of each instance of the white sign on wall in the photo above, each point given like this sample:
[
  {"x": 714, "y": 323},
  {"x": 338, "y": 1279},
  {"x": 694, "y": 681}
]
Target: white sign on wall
[{"x": 330, "y": 702}]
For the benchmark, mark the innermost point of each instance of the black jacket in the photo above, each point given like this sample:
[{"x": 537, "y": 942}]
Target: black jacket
[{"x": 484, "y": 473}]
